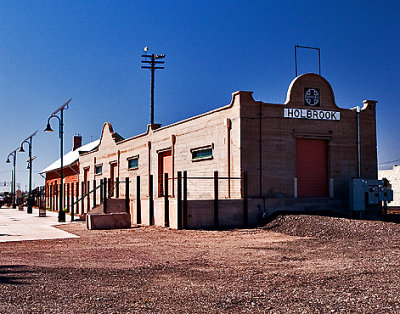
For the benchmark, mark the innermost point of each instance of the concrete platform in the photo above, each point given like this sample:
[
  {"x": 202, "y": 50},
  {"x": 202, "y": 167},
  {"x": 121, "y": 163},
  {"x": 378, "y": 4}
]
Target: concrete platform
[{"x": 17, "y": 225}]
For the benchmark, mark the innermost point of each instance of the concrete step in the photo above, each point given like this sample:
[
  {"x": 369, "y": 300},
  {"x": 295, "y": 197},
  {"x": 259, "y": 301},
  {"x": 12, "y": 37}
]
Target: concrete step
[{"x": 114, "y": 205}]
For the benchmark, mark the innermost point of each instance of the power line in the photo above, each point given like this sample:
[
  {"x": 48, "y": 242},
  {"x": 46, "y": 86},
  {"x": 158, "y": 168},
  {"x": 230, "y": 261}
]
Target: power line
[{"x": 389, "y": 162}]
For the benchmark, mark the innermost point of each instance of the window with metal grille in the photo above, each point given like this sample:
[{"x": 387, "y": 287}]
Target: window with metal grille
[{"x": 202, "y": 153}]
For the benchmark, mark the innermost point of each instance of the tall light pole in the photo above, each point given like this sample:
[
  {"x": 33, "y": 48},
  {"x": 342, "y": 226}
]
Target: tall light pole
[
  {"x": 152, "y": 67},
  {"x": 61, "y": 213},
  {"x": 14, "y": 155},
  {"x": 28, "y": 140}
]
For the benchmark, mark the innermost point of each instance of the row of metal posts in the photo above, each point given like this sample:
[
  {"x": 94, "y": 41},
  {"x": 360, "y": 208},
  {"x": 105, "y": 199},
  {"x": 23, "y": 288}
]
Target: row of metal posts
[{"x": 106, "y": 185}]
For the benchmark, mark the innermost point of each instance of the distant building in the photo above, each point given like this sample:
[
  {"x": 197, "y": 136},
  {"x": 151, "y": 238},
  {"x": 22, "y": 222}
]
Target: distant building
[
  {"x": 393, "y": 176},
  {"x": 299, "y": 155}
]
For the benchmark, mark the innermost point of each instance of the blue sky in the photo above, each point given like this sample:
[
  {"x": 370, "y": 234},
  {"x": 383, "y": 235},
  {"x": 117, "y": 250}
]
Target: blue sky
[{"x": 89, "y": 51}]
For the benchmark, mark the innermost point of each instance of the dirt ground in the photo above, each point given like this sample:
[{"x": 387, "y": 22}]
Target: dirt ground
[{"x": 297, "y": 264}]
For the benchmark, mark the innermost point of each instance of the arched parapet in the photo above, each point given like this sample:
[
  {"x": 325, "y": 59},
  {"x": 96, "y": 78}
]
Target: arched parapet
[{"x": 311, "y": 90}]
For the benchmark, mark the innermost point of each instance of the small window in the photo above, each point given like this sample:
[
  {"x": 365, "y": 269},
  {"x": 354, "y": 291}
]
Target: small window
[
  {"x": 133, "y": 163},
  {"x": 98, "y": 169},
  {"x": 202, "y": 153}
]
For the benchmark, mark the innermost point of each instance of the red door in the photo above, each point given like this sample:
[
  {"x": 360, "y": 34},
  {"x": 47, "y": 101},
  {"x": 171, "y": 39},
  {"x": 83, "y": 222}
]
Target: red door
[
  {"x": 311, "y": 168},
  {"x": 164, "y": 166}
]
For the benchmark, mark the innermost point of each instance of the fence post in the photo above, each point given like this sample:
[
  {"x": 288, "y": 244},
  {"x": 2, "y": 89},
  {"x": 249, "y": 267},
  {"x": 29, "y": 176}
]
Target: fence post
[
  {"x": 151, "y": 204},
  {"x": 88, "y": 195},
  {"x": 56, "y": 192},
  {"x": 179, "y": 199},
  {"x": 245, "y": 200},
  {"x": 65, "y": 186},
  {"x": 104, "y": 195},
  {"x": 216, "y": 220},
  {"x": 94, "y": 193},
  {"x": 166, "y": 201},
  {"x": 67, "y": 195},
  {"x": 72, "y": 202},
  {"x": 117, "y": 187},
  {"x": 77, "y": 197},
  {"x": 101, "y": 191},
  {"x": 138, "y": 204},
  {"x": 51, "y": 197},
  {"x": 185, "y": 193},
  {"x": 127, "y": 199},
  {"x": 83, "y": 199}
]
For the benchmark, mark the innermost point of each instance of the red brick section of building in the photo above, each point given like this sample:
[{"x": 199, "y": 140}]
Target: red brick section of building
[{"x": 70, "y": 173}]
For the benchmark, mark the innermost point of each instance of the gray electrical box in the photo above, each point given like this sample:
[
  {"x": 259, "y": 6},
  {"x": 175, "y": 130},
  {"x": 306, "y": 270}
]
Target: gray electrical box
[{"x": 364, "y": 193}]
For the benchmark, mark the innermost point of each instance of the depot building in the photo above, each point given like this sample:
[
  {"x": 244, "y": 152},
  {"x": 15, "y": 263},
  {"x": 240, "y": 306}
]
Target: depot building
[{"x": 297, "y": 156}]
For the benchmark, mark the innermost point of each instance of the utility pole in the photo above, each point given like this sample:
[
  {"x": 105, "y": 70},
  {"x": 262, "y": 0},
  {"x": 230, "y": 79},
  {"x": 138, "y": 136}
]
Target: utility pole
[{"x": 152, "y": 67}]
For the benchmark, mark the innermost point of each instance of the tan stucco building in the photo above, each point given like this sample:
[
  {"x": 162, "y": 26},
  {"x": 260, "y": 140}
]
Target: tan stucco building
[{"x": 304, "y": 151}]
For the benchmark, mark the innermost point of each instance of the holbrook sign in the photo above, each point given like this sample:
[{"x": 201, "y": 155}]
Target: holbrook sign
[{"x": 312, "y": 114}]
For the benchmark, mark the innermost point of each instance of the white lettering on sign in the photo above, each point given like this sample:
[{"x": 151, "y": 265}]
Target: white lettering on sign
[{"x": 312, "y": 114}]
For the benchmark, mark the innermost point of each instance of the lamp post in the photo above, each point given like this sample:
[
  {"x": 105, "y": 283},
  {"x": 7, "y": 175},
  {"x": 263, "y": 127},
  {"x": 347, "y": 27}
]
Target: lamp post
[
  {"x": 14, "y": 155},
  {"x": 61, "y": 213},
  {"x": 28, "y": 140}
]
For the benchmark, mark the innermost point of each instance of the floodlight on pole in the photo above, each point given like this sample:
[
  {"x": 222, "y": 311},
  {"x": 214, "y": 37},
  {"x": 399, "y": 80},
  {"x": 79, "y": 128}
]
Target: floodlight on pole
[
  {"x": 61, "y": 213},
  {"x": 28, "y": 141},
  {"x": 152, "y": 67}
]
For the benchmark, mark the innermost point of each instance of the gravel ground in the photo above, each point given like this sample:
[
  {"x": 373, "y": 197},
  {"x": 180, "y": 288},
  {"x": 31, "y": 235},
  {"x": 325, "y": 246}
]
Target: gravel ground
[{"x": 297, "y": 264}]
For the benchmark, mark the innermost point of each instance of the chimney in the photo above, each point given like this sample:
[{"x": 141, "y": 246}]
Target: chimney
[{"x": 76, "y": 141}]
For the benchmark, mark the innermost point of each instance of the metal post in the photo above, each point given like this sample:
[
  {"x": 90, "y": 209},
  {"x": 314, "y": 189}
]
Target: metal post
[
  {"x": 138, "y": 202},
  {"x": 72, "y": 202},
  {"x": 94, "y": 193},
  {"x": 179, "y": 199},
  {"x": 88, "y": 195},
  {"x": 127, "y": 200},
  {"x": 216, "y": 220},
  {"x": 152, "y": 89},
  {"x": 245, "y": 201},
  {"x": 83, "y": 198},
  {"x": 166, "y": 201},
  {"x": 15, "y": 192},
  {"x": 29, "y": 209},
  {"x": 117, "y": 187},
  {"x": 61, "y": 213},
  {"x": 101, "y": 191},
  {"x": 56, "y": 194},
  {"x": 77, "y": 197},
  {"x": 51, "y": 197},
  {"x": 185, "y": 194},
  {"x": 104, "y": 195},
  {"x": 109, "y": 187},
  {"x": 151, "y": 203},
  {"x": 67, "y": 195}
]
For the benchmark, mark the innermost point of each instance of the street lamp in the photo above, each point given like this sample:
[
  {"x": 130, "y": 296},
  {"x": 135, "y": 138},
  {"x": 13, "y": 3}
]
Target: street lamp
[
  {"x": 28, "y": 140},
  {"x": 61, "y": 213},
  {"x": 14, "y": 155}
]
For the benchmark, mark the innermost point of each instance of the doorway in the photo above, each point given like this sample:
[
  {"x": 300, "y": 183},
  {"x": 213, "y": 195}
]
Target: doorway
[
  {"x": 164, "y": 166},
  {"x": 311, "y": 168}
]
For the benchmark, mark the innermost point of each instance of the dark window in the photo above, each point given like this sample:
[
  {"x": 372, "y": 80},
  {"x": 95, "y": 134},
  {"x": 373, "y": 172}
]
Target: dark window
[
  {"x": 98, "y": 169},
  {"x": 133, "y": 163},
  {"x": 206, "y": 153}
]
